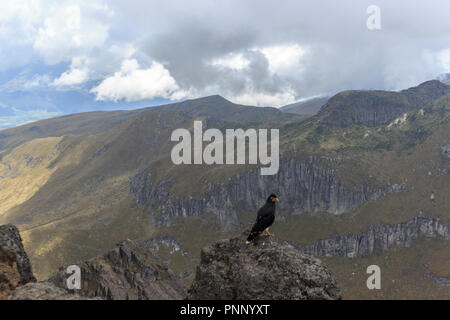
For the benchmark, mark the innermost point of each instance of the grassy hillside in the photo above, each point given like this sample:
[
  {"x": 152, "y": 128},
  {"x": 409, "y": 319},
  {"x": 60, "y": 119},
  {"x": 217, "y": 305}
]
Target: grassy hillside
[
  {"x": 406, "y": 273},
  {"x": 81, "y": 123},
  {"x": 66, "y": 184}
]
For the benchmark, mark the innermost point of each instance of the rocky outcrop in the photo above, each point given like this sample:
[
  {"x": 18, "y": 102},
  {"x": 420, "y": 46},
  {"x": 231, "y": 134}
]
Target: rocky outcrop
[
  {"x": 230, "y": 269},
  {"x": 441, "y": 281},
  {"x": 446, "y": 150},
  {"x": 15, "y": 266},
  {"x": 129, "y": 272},
  {"x": 379, "y": 238},
  {"x": 304, "y": 186},
  {"x": 44, "y": 291},
  {"x": 169, "y": 243},
  {"x": 374, "y": 107},
  {"x": 16, "y": 277}
]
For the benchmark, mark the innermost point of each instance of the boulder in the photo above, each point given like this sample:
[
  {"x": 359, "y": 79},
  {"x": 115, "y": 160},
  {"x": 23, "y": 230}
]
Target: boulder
[{"x": 268, "y": 269}]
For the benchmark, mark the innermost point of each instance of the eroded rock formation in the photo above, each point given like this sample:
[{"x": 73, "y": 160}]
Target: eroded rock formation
[
  {"x": 305, "y": 186},
  {"x": 379, "y": 238},
  {"x": 128, "y": 272}
]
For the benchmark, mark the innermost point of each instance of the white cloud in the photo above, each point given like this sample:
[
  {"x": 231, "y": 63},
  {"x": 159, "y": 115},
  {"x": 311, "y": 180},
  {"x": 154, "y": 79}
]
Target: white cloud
[
  {"x": 71, "y": 77},
  {"x": 18, "y": 20},
  {"x": 235, "y": 61},
  {"x": 444, "y": 57},
  {"x": 253, "y": 51},
  {"x": 264, "y": 99},
  {"x": 132, "y": 83},
  {"x": 71, "y": 28},
  {"x": 78, "y": 73},
  {"x": 37, "y": 81},
  {"x": 53, "y": 29},
  {"x": 282, "y": 57}
]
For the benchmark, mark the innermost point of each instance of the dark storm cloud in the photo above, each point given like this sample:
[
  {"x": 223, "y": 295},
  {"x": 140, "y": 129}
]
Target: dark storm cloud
[
  {"x": 254, "y": 51},
  {"x": 340, "y": 51}
]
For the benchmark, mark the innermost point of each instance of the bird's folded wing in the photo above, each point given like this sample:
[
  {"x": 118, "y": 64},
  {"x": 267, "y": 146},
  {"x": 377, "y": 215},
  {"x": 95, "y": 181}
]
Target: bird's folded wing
[{"x": 262, "y": 213}]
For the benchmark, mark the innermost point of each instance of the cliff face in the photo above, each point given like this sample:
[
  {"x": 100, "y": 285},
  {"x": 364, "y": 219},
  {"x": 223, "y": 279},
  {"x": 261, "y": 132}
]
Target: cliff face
[
  {"x": 379, "y": 238},
  {"x": 15, "y": 267},
  {"x": 230, "y": 269},
  {"x": 305, "y": 186},
  {"x": 129, "y": 272}
]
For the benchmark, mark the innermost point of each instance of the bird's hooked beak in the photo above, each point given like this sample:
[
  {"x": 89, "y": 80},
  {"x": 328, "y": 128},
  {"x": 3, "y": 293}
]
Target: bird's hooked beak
[{"x": 274, "y": 199}]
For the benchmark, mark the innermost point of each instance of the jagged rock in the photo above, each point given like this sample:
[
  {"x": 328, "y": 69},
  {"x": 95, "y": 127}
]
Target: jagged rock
[
  {"x": 129, "y": 272},
  {"x": 15, "y": 267},
  {"x": 305, "y": 186},
  {"x": 379, "y": 238},
  {"x": 230, "y": 269},
  {"x": 44, "y": 291}
]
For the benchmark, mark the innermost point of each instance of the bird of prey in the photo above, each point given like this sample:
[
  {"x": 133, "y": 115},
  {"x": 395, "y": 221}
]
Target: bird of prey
[{"x": 264, "y": 219}]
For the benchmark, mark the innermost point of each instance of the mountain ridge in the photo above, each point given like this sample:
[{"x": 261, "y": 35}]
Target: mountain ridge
[
  {"x": 72, "y": 199},
  {"x": 375, "y": 107}
]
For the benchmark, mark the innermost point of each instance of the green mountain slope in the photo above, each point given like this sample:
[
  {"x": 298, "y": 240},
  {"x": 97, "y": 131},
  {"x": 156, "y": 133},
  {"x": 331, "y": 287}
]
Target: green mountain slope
[
  {"x": 373, "y": 108},
  {"x": 78, "y": 187}
]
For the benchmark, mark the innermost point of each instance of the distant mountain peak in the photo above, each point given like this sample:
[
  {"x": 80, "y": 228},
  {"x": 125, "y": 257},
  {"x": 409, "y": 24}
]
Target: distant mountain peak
[
  {"x": 210, "y": 99},
  {"x": 375, "y": 107},
  {"x": 429, "y": 85},
  {"x": 307, "y": 107}
]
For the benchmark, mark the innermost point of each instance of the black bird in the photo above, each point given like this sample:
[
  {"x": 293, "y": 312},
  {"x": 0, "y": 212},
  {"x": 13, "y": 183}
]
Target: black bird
[{"x": 264, "y": 219}]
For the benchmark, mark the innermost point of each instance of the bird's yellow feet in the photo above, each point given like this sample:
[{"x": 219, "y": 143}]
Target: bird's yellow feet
[{"x": 267, "y": 234}]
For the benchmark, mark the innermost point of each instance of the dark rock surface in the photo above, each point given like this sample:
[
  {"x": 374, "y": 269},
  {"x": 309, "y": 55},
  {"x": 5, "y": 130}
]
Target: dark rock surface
[
  {"x": 305, "y": 186},
  {"x": 269, "y": 269},
  {"x": 379, "y": 238},
  {"x": 129, "y": 272},
  {"x": 15, "y": 266}
]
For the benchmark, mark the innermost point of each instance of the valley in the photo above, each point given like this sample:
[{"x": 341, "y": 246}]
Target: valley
[{"x": 77, "y": 185}]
